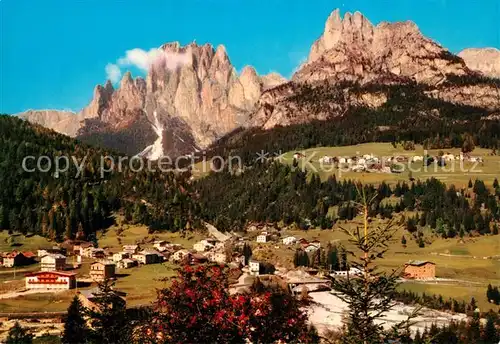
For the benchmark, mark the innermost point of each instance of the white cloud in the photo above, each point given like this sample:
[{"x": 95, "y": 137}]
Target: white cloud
[
  {"x": 113, "y": 72},
  {"x": 143, "y": 60}
]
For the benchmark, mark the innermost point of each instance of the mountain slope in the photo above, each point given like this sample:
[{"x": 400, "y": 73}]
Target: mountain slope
[
  {"x": 486, "y": 61},
  {"x": 352, "y": 51},
  {"x": 64, "y": 122}
]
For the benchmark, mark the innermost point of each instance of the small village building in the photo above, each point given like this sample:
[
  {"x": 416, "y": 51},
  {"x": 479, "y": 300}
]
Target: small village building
[
  {"x": 219, "y": 257},
  {"x": 253, "y": 267},
  {"x": 202, "y": 246},
  {"x": 263, "y": 237},
  {"x": 53, "y": 262},
  {"x": 126, "y": 263},
  {"x": 50, "y": 280},
  {"x": 178, "y": 256},
  {"x": 160, "y": 245},
  {"x": 420, "y": 269},
  {"x": 99, "y": 271},
  {"x": 131, "y": 248},
  {"x": 197, "y": 258},
  {"x": 351, "y": 272},
  {"x": 239, "y": 259},
  {"x": 83, "y": 248},
  {"x": 120, "y": 256},
  {"x": 16, "y": 258},
  {"x": 311, "y": 248},
  {"x": 147, "y": 257},
  {"x": 289, "y": 240}
]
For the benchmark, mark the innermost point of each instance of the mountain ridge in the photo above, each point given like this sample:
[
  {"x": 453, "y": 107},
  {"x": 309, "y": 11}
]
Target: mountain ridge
[{"x": 195, "y": 95}]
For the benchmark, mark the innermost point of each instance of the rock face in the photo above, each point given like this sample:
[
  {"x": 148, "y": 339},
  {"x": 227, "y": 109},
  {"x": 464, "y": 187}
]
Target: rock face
[
  {"x": 353, "y": 48},
  {"x": 352, "y": 51},
  {"x": 64, "y": 122},
  {"x": 486, "y": 61},
  {"x": 194, "y": 102}
]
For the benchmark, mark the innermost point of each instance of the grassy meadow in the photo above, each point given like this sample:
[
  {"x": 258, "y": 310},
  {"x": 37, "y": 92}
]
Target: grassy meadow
[{"x": 486, "y": 171}]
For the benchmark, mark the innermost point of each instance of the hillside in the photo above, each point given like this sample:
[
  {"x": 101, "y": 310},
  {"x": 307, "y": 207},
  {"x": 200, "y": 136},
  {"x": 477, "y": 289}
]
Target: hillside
[{"x": 80, "y": 199}]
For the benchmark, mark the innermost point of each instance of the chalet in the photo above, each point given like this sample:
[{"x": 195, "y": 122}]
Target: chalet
[
  {"x": 53, "y": 262},
  {"x": 178, "y": 256},
  {"x": 16, "y": 258},
  {"x": 263, "y": 237},
  {"x": 81, "y": 248},
  {"x": 120, "y": 256},
  {"x": 202, "y": 246},
  {"x": 254, "y": 267},
  {"x": 289, "y": 240},
  {"x": 126, "y": 263},
  {"x": 50, "y": 280},
  {"x": 419, "y": 269},
  {"x": 311, "y": 248},
  {"x": 160, "y": 245},
  {"x": 147, "y": 257},
  {"x": 97, "y": 253},
  {"x": 197, "y": 258},
  {"x": 131, "y": 248},
  {"x": 99, "y": 271},
  {"x": 219, "y": 257}
]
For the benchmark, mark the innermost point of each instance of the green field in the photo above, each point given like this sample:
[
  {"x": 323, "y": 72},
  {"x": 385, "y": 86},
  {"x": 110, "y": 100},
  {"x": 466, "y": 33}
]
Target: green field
[
  {"x": 487, "y": 171},
  {"x": 20, "y": 242},
  {"x": 466, "y": 266}
]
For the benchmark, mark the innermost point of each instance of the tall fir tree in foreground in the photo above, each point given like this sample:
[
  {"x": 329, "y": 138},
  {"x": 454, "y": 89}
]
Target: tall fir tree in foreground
[
  {"x": 108, "y": 321},
  {"x": 370, "y": 294},
  {"x": 19, "y": 335},
  {"x": 75, "y": 326}
]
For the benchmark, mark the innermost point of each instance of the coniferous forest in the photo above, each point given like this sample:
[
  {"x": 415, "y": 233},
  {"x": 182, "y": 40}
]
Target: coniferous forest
[{"x": 66, "y": 205}]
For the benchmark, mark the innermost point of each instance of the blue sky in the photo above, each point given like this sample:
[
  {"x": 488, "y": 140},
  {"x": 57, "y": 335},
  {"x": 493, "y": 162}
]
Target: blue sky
[{"x": 53, "y": 53}]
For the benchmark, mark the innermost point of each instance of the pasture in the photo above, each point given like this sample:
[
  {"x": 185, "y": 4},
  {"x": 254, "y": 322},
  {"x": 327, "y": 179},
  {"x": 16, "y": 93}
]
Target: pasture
[{"x": 454, "y": 173}]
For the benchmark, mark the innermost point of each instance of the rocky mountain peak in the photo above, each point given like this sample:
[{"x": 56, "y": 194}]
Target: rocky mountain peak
[
  {"x": 352, "y": 48},
  {"x": 485, "y": 60}
]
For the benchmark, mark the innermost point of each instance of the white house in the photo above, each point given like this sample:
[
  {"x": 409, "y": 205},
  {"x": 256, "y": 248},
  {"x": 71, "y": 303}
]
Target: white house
[
  {"x": 350, "y": 272},
  {"x": 203, "y": 245},
  {"x": 120, "y": 256},
  {"x": 417, "y": 158},
  {"x": 254, "y": 267},
  {"x": 311, "y": 248},
  {"x": 160, "y": 245},
  {"x": 263, "y": 237},
  {"x": 179, "y": 255},
  {"x": 131, "y": 248},
  {"x": 53, "y": 262},
  {"x": 289, "y": 240},
  {"x": 326, "y": 160},
  {"x": 342, "y": 160},
  {"x": 219, "y": 257},
  {"x": 50, "y": 280},
  {"x": 147, "y": 257},
  {"x": 126, "y": 263}
]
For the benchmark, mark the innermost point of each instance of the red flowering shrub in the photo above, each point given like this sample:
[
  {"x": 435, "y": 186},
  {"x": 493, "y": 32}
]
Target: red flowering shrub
[{"x": 198, "y": 308}]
